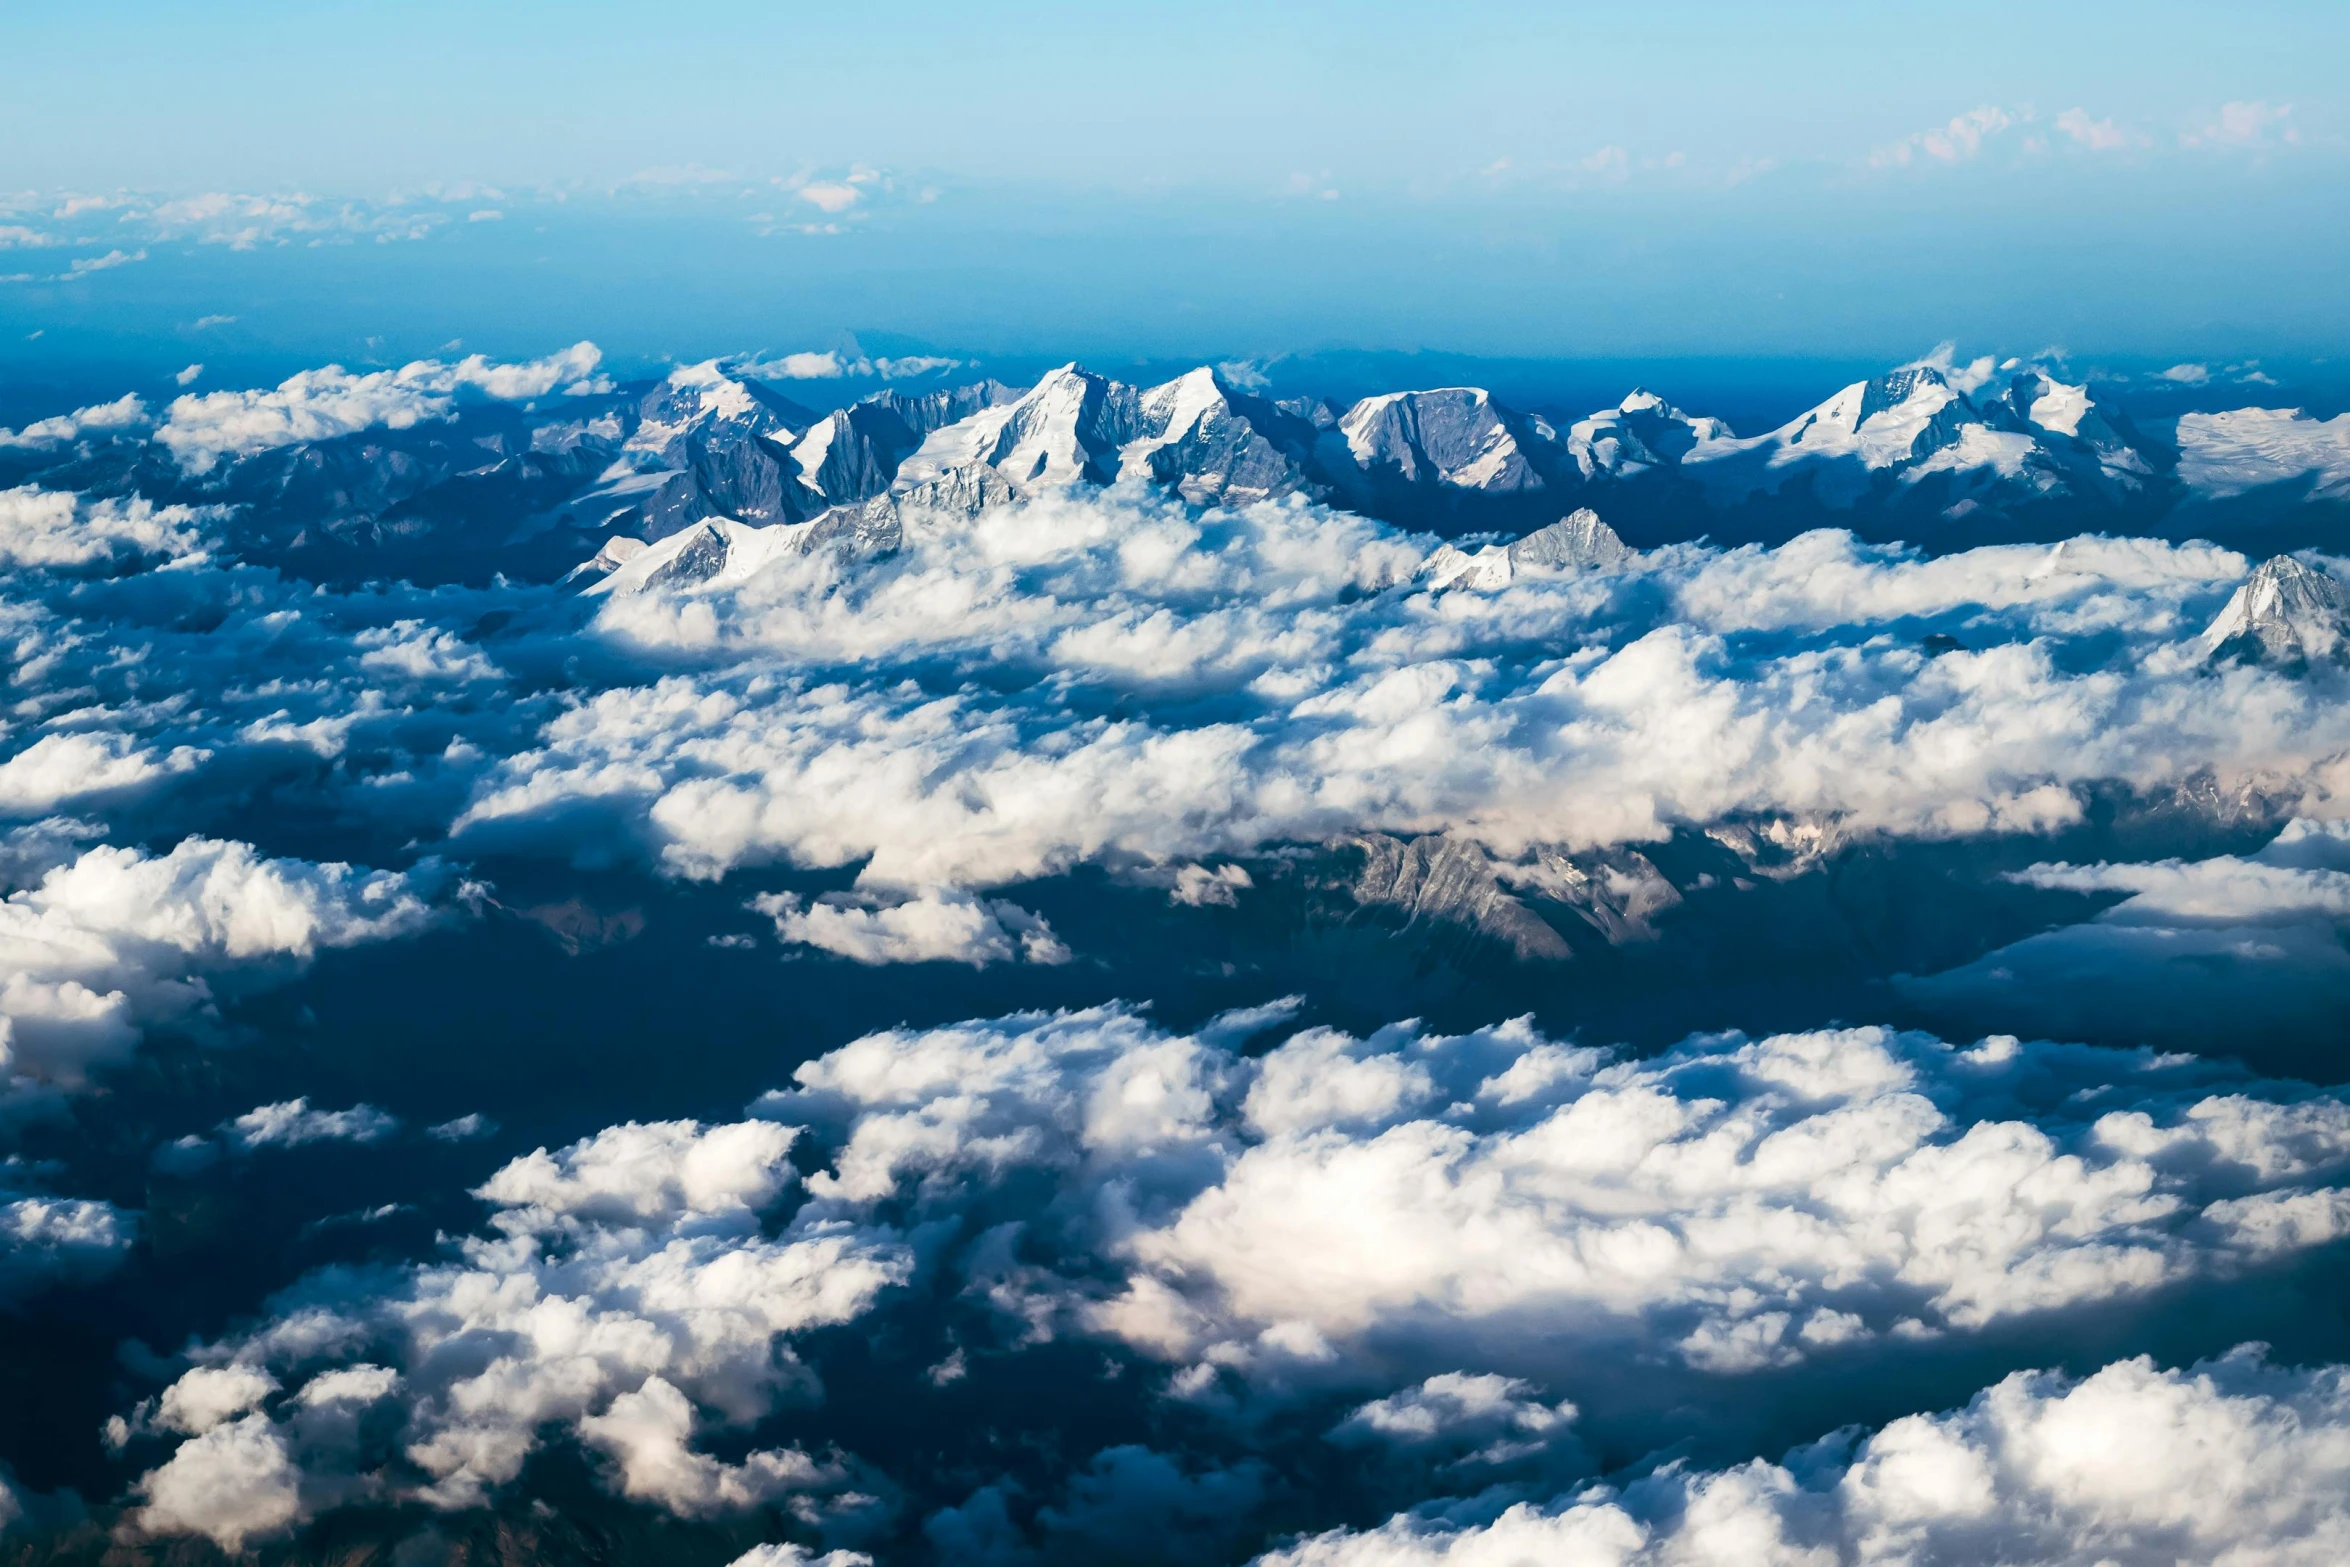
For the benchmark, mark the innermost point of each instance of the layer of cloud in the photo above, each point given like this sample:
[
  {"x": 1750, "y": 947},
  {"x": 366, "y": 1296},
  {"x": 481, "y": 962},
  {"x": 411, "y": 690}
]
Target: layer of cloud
[
  {"x": 127, "y": 412},
  {"x": 202, "y": 429},
  {"x": 48, "y": 528},
  {"x": 933, "y": 928},
  {"x": 629, "y": 1296},
  {"x": 1734, "y": 1204},
  {"x": 1565, "y": 708},
  {"x": 1444, "y": 1225},
  {"x": 2134, "y": 1466},
  {"x": 117, "y": 940}
]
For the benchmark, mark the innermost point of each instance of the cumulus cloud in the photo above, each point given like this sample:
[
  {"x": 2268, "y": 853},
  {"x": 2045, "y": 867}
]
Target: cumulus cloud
[
  {"x": 234, "y": 1484},
  {"x": 933, "y": 928},
  {"x": 203, "y": 429},
  {"x": 52, "y": 528},
  {"x": 1465, "y": 1419},
  {"x": 61, "y": 768},
  {"x": 1458, "y": 1221},
  {"x": 785, "y": 1555},
  {"x": 45, "y": 1239},
  {"x": 2232, "y": 1460},
  {"x": 630, "y": 1297},
  {"x": 127, "y": 412},
  {"x": 1574, "y": 708},
  {"x": 2095, "y": 135},
  {"x": 117, "y": 939},
  {"x": 831, "y": 197},
  {"x": 1955, "y": 142},
  {"x": 1731, "y": 1205}
]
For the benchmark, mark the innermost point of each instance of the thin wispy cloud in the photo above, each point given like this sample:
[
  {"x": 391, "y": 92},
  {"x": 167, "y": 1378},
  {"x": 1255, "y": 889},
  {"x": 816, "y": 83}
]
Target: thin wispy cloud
[
  {"x": 2247, "y": 123},
  {"x": 1959, "y": 140},
  {"x": 2096, "y": 135}
]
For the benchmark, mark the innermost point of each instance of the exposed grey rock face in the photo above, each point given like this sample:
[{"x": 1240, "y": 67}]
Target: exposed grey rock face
[
  {"x": 701, "y": 557},
  {"x": 703, "y": 403},
  {"x": 1441, "y": 881},
  {"x": 2286, "y": 613},
  {"x": 1320, "y": 412},
  {"x": 878, "y": 526},
  {"x": 1617, "y": 892},
  {"x": 1216, "y": 446},
  {"x": 856, "y": 452},
  {"x": 1574, "y": 543},
  {"x": 1068, "y": 429},
  {"x": 707, "y": 444},
  {"x": 1455, "y": 438},
  {"x": 1571, "y": 543}
]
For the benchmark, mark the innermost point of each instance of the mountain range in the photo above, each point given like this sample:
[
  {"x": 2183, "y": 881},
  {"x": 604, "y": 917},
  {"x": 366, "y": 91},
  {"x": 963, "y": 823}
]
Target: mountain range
[{"x": 1939, "y": 458}]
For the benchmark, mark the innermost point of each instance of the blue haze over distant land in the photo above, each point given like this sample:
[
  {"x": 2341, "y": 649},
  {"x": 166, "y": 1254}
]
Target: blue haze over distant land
[{"x": 2126, "y": 183}]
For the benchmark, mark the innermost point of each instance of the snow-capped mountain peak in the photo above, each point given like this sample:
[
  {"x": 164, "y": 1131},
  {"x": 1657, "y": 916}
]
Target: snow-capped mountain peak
[
  {"x": 704, "y": 399},
  {"x": 1577, "y": 542},
  {"x": 1065, "y": 429},
  {"x": 1455, "y": 436},
  {"x": 2285, "y": 613},
  {"x": 1641, "y": 433}
]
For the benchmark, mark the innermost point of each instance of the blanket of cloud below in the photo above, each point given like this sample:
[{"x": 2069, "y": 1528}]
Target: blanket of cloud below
[
  {"x": 1425, "y": 1229},
  {"x": 991, "y": 1034}
]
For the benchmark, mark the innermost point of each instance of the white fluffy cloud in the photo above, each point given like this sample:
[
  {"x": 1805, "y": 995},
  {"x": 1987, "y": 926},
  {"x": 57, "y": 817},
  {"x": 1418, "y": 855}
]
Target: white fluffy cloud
[
  {"x": 1957, "y": 141},
  {"x": 1277, "y": 675},
  {"x": 234, "y": 1483},
  {"x": 1731, "y": 1205},
  {"x": 935, "y": 927},
  {"x": 1442, "y": 1226},
  {"x": 45, "y": 1238},
  {"x": 202, "y": 429},
  {"x": 2243, "y": 123},
  {"x": 127, "y": 412},
  {"x": 1463, "y": 1418},
  {"x": 2134, "y": 1466},
  {"x": 51, "y": 528},
  {"x": 2096, "y": 135},
  {"x": 117, "y": 939},
  {"x": 630, "y": 1297},
  {"x": 64, "y": 767}
]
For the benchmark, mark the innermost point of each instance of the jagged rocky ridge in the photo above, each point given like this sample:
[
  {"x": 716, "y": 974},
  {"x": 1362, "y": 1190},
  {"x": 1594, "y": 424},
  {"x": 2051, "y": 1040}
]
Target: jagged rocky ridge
[{"x": 535, "y": 490}]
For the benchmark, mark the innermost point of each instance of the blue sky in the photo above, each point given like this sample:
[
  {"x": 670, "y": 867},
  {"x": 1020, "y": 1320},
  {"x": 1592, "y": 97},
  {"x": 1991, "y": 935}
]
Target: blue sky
[{"x": 1492, "y": 178}]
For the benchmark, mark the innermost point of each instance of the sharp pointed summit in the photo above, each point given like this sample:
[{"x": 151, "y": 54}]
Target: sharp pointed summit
[{"x": 2286, "y": 613}]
